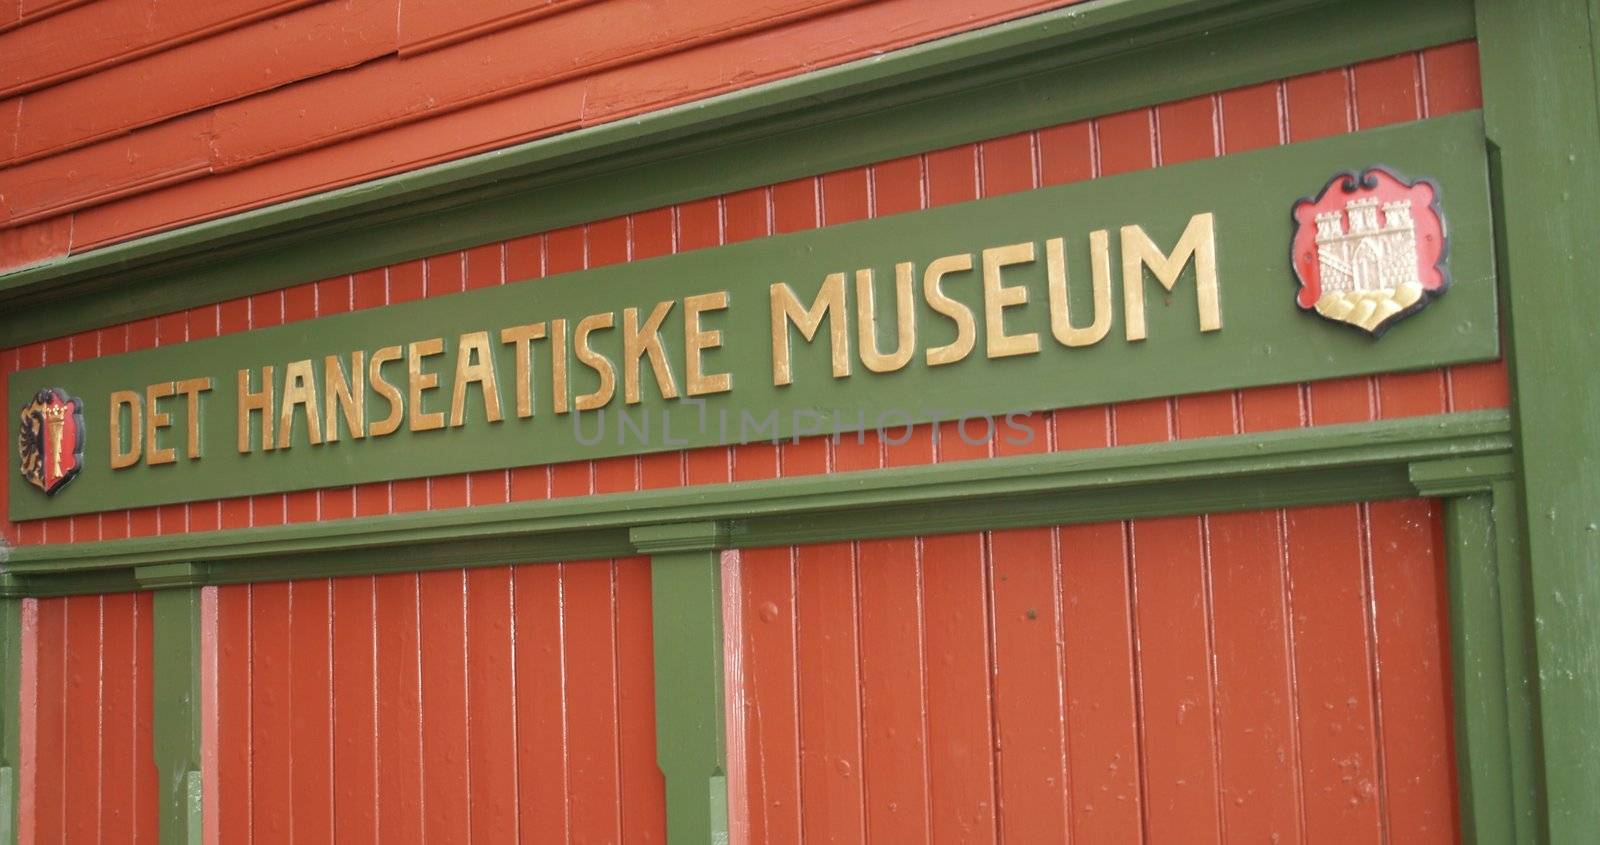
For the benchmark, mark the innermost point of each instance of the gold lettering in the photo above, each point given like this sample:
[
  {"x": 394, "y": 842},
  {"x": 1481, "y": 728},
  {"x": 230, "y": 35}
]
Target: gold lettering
[
  {"x": 523, "y": 337},
  {"x": 696, "y": 341},
  {"x": 383, "y": 387},
  {"x": 966, "y": 327},
  {"x": 558, "y": 365},
  {"x": 341, "y": 399},
  {"x": 420, "y": 381},
  {"x": 786, "y": 309},
  {"x": 639, "y": 341},
  {"x": 299, "y": 390},
  {"x": 155, "y": 420},
  {"x": 595, "y": 361},
  {"x": 1138, "y": 251},
  {"x": 121, "y": 459},
  {"x": 997, "y": 298},
  {"x": 905, "y": 320},
  {"x": 1060, "y": 318},
  {"x": 253, "y": 402},
  {"x": 474, "y": 363},
  {"x": 191, "y": 389}
]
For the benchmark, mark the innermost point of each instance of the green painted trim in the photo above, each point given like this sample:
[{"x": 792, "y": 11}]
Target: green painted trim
[
  {"x": 1256, "y": 318},
  {"x": 1328, "y": 463},
  {"x": 1542, "y": 114},
  {"x": 1482, "y": 754},
  {"x": 691, "y": 734},
  {"x": 10, "y": 710},
  {"x": 1517, "y": 641},
  {"x": 177, "y": 719},
  {"x": 1050, "y": 68}
]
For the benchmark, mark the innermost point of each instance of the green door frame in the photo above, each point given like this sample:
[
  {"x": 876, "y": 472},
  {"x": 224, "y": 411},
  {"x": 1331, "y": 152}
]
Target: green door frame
[{"x": 1528, "y": 749}]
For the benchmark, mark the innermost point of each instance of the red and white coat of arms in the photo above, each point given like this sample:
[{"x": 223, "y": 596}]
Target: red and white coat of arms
[{"x": 1369, "y": 249}]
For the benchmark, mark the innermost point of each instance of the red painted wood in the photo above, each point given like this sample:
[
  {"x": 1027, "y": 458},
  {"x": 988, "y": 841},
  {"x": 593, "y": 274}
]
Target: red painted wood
[
  {"x": 541, "y": 690},
  {"x": 86, "y": 773},
  {"x": 827, "y": 655},
  {"x": 441, "y": 706},
  {"x": 770, "y": 665},
  {"x": 1271, "y": 675},
  {"x": 594, "y": 779},
  {"x": 1256, "y": 711},
  {"x": 491, "y": 704},
  {"x": 353, "y": 646},
  {"x": 1413, "y": 664},
  {"x": 961, "y": 758},
  {"x": 1029, "y": 685},
  {"x": 1340, "y": 764},
  {"x": 1103, "y": 741},
  {"x": 397, "y": 632},
  {"x": 894, "y": 691}
]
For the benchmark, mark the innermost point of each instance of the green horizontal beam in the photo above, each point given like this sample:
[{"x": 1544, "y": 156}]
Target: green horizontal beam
[
  {"x": 1329, "y": 463},
  {"x": 1059, "y": 66}
]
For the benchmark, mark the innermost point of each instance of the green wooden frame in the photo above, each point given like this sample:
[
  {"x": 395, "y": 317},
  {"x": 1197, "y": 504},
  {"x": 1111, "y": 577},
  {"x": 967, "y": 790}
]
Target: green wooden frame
[{"x": 1528, "y": 747}]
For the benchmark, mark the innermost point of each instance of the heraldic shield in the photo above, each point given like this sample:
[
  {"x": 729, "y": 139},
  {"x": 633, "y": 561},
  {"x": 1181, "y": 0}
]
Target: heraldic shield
[
  {"x": 1369, "y": 249},
  {"x": 50, "y": 439}
]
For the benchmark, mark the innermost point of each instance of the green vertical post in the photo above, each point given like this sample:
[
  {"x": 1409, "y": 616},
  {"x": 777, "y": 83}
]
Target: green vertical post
[
  {"x": 1495, "y": 789},
  {"x": 10, "y": 705},
  {"x": 176, "y": 678},
  {"x": 1542, "y": 117},
  {"x": 691, "y": 742}
]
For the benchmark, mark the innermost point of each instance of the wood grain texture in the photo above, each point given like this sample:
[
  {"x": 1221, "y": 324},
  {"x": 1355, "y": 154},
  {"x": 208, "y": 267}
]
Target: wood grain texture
[
  {"x": 1211, "y": 678},
  {"x": 507, "y": 703}
]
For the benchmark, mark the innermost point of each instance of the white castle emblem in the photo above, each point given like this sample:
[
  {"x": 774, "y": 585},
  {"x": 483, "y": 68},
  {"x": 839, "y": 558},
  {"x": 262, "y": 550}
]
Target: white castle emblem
[{"x": 1367, "y": 256}]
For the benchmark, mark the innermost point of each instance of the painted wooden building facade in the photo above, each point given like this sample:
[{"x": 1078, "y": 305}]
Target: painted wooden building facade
[{"x": 1274, "y": 579}]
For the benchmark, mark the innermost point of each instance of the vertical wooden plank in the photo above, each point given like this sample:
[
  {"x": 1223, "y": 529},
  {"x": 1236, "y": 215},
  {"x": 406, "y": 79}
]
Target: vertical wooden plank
[
  {"x": 543, "y": 797},
  {"x": 235, "y": 691},
  {"x": 484, "y": 266},
  {"x": 590, "y": 663},
  {"x": 397, "y": 617},
  {"x": 1256, "y": 711},
  {"x": 960, "y": 719},
  {"x": 1103, "y": 755},
  {"x": 119, "y": 650},
  {"x": 84, "y": 720},
  {"x": 310, "y": 709},
  {"x": 1177, "y": 705},
  {"x": 827, "y": 653},
  {"x": 444, "y": 274},
  {"x": 771, "y": 695},
  {"x": 442, "y": 609},
  {"x": 1029, "y": 687},
  {"x": 271, "y": 758},
  {"x": 146, "y": 783},
  {"x": 1414, "y": 699},
  {"x": 643, "y": 791},
  {"x": 355, "y": 708},
  {"x": 894, "y": 692},
  {"x": 49, "y": 792},
  {"x": 1333, "y": 682},
  {"x": 491, "y": 705}
]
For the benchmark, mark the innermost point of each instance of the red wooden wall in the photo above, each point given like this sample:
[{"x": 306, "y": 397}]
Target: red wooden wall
[
  {"x": 1275, "y": 676},
  {"x": 87, "y": 772},
  {"x": 293, "y": 706},
  {"x": 493, "y": 704},
  {"x": 122, "y": 117}
]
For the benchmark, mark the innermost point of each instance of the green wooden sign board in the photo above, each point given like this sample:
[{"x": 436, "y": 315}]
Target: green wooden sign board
[{"x": 981, "y": 336}]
